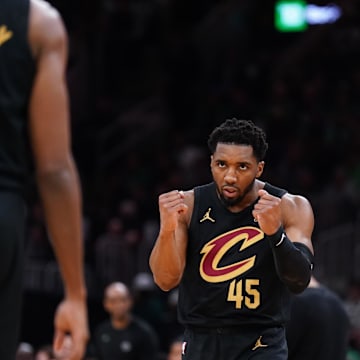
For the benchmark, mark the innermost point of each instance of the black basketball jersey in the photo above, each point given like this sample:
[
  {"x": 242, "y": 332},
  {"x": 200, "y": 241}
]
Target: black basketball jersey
[
  {"x": 17, "y": 69},
  {"x": 230, "y": 277}
]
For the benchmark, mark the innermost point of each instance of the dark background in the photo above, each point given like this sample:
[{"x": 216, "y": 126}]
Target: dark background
[{"x": 148, "y": 80}]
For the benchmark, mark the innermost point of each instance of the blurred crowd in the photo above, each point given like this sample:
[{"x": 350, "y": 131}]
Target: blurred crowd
[{"x": 148, "y": 81}]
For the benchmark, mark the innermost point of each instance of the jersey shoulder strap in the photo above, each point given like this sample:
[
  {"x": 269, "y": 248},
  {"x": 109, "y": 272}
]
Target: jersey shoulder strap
[{"x": 274, "y": 190}]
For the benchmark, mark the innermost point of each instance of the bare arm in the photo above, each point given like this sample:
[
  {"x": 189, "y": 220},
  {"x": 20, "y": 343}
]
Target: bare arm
[
  {"x": 298, "y": 219},
  {"x": 167, "y": 259},
  {"x": 57, "y": 176},
  {"x": 289, "y": 223}
]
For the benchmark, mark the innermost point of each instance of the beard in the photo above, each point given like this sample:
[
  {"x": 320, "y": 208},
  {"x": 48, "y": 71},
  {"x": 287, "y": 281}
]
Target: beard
[{"x": 237, "y": 200}]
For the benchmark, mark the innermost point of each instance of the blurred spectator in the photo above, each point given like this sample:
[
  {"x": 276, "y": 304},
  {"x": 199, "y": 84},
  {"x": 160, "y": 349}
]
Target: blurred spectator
[
  {"x": 114, "y": 257},
  {"x": 339, "y": 193},
  {"x": 128, "y": 212},
  {"x": 149, "y": 232},
  {"x": 123, "y": 336},
  {"x": 25, "y": 351}
]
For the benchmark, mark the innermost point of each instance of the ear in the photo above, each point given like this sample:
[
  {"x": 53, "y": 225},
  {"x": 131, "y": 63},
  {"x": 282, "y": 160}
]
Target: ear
[
  {"x": 260, "y": 168},
  {"x": 211, "y": 160}
]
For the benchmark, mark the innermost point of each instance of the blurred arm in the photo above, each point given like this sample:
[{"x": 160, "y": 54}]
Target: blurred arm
[{"x": 56, "y": 173}]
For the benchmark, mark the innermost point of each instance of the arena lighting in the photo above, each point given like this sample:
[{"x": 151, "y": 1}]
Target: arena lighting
[
  {"x": 317, "y": 15},
  {"x": 297, "y": 15}
]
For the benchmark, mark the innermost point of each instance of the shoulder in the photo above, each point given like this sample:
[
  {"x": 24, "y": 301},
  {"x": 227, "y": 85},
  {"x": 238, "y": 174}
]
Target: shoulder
[
  {"x": 142, "y": 325},
  {"x": 46, "y": 27},
  {"x": 145, "y": 331},
  {"x": 190, "y": 196},
  {"x": 295, "y": 202},
  {"x": 296, "y": 209},
  {"x": 289, "y": 202},
  {"x": 271, "y": 189}
]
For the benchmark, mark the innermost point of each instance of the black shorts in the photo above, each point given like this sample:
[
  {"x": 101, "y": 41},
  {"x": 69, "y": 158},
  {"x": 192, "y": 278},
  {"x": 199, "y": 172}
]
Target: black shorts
[
  {"x": 12, "y": 230},
  {"x": 235, "y": 344}
]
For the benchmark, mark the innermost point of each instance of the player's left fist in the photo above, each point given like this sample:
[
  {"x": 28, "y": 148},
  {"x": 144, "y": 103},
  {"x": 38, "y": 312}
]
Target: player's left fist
[{"x": 267, "y": 212}]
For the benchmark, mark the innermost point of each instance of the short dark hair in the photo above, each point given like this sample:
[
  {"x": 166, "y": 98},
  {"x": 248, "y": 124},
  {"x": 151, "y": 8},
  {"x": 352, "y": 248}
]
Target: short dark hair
[{"x": 239, "y": 132}]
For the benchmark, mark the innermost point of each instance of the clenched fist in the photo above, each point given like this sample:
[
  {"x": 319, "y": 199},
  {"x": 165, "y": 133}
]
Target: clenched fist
[
  {"x": 171, "y": 206},
  {"x": 267, "y": 212}
]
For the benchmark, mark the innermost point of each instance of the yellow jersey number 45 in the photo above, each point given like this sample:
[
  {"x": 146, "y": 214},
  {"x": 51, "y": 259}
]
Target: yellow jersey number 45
[{"x": 244, "y": 292}]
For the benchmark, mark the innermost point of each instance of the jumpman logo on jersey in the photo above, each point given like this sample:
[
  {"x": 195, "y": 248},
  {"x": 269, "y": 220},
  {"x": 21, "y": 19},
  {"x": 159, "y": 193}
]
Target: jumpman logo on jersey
[
  {"x": 207, "y": 216},
  {"x": 5, "y": 34},
  {"x": 258, "y": 344}
]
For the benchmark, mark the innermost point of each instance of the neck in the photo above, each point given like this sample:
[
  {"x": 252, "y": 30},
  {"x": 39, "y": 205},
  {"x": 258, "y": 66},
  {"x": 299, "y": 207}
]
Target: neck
[
  {"x": 248, "y": 198},
  {"x": 121, "y": 323}
]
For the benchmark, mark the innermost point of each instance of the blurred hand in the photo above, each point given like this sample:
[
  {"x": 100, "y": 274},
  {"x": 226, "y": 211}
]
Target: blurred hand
[
  {"x": 64, "y": 352},
  {"x": 71, "y": 329}
]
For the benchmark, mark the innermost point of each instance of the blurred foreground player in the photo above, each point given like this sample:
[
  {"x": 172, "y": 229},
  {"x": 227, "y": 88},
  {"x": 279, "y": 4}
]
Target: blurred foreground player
[
  {"x": 237, "y": 248},
  {"x": 34, "y": 129},
  {"x": 319, "y": 325}
]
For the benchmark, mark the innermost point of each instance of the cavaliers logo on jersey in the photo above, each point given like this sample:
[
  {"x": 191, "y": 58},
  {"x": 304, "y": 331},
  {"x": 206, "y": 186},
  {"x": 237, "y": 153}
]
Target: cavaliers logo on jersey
[{"x": 214, "y": 251}]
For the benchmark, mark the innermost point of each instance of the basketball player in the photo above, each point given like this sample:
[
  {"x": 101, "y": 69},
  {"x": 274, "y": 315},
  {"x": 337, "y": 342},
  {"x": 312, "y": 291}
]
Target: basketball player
[
  {"x": 237, "y": 247},
  {"x": 34, "y": 111}
]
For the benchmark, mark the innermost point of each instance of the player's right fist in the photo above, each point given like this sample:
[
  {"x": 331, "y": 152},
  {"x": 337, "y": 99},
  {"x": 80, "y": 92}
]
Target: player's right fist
[{"x": 171, "y": 207}]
